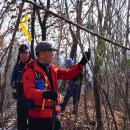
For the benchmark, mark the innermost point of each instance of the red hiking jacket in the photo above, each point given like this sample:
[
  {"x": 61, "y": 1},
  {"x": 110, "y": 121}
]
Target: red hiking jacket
[{"x": 32, "y": 93}]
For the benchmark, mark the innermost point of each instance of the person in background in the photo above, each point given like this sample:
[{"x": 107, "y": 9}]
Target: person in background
[
  {"x": 40, "y": 85},
  {"x": 24, "y": 57},
  {"x": 73, "y": 89},
  {"x": 89, "y": 86}
]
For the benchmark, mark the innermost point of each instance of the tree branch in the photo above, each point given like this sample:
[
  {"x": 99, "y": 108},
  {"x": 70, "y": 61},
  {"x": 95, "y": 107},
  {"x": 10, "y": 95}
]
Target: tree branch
[{"x": 78, "y": 26}]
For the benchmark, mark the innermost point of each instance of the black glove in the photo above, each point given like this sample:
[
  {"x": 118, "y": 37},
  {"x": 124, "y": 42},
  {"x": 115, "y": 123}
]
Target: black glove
[
  {"x": 84, "y": 60},
  {"x": 50, "y": 94}
]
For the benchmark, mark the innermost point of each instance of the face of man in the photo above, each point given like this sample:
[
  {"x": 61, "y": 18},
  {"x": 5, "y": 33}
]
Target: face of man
[
  {"x": 46, "y": 56},
  {"x": 24, "y": 56}
]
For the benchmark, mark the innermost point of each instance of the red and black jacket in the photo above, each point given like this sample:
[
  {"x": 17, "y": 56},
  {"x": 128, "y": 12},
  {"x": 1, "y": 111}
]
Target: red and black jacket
[{"x": 36, "y": 95}]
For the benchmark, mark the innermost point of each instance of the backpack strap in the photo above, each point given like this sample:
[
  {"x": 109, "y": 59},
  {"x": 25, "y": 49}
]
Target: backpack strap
[{"x": 37, "y": 74}]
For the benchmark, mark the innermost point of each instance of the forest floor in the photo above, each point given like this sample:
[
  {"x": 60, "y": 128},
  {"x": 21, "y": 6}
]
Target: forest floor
[
  {"x": 69, "y": 120},
  {"x": 83, "y": 120}
]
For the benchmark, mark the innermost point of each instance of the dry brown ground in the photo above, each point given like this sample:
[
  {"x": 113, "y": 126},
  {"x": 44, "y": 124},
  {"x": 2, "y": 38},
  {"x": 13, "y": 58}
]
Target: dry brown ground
[{"x": 69, "y": 120}]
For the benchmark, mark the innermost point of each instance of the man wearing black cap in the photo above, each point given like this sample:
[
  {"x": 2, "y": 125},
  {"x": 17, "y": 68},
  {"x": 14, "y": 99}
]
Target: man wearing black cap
[
  {"x": 40, "y": 85},
  {"x": 24, "y": 57}
]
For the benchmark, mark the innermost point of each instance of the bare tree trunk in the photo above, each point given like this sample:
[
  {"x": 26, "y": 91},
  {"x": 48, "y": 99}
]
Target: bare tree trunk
[
  {"x": 3, "y": 85},
  {"x": 33, "y": 31},
  {"x": 97, "y": 100},
  {"x": 96, "y": 87},
  {"x": 75, "y": 36},
  {"x": 43, "y": 23},
  {"x": 86, "y": 99},
  {"x": 126, "y": 68}
]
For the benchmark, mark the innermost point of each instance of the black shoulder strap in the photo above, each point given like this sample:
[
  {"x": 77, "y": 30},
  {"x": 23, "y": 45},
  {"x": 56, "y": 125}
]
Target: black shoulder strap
[{"x": 37, "y": 74}]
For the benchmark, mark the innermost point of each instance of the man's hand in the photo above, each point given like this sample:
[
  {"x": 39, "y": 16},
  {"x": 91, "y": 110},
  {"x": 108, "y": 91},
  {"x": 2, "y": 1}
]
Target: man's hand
[
  {"x": 50, "y": 94},
  {"x": 88, "y": 55}
]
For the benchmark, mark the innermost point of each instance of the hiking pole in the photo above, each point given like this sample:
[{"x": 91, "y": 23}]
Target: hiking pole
[{"x": 54, "y": 115}]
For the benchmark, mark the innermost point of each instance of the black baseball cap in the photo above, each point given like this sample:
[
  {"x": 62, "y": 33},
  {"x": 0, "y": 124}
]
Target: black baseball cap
[
  {"x": 23, "y": 48},
  {"x": 44, "y": 46}
]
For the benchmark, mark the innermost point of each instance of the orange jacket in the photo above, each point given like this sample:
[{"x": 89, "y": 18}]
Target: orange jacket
[{"x": 32, "y": 93}]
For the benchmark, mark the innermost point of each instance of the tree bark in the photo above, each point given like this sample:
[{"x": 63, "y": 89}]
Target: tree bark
[
  {"x": 3, "y": 85},
  {"x": 33, "y": 31}
]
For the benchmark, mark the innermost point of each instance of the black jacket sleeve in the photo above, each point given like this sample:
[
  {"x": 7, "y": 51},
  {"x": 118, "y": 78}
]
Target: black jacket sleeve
[{"x": 14, "y": 75}]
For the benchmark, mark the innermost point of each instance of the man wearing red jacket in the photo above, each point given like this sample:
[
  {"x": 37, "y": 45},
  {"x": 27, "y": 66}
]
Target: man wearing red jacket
[{"x": 40, "y": 85}]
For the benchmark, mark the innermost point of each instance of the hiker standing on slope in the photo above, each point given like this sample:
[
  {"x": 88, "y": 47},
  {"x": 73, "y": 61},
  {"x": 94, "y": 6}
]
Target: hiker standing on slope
[
  {"x": 73, "y": 89},
  {"x": 24, "y": 57},
  {"x": 44, "y": 90}
]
